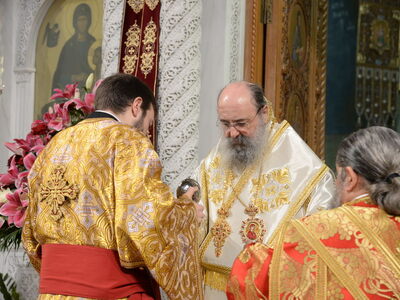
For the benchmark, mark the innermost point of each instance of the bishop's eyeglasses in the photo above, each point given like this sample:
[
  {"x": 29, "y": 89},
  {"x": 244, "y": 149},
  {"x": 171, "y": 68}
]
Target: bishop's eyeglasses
[{"x": 240, "y": 124}]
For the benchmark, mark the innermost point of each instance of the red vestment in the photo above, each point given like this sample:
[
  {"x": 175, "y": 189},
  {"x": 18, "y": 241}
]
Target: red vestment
[{"x": 351, "y": 252}]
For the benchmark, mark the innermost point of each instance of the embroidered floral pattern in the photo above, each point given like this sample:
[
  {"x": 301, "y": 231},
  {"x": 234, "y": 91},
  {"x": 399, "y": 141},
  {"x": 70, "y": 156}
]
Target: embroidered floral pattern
[
  {"x": 136, "y": 5},
  {"x": 152, "y": 4},
  {"x": 149, "y": 39},
  {"x": 271, "y": 191},
  {"x": 132, "y": 49}
]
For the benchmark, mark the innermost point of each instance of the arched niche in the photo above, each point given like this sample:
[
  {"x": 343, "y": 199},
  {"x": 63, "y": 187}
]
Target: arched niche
[{"x": 30, "y": 18}]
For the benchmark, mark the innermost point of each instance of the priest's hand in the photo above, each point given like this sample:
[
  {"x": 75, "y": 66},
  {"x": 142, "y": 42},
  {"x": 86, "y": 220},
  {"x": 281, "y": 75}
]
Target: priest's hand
[
  {"x": 200, "y": 212},
  {"x": 199, "y": 208}
]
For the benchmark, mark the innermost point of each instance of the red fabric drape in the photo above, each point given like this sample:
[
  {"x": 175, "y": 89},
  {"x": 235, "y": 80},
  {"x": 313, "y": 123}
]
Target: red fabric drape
[
  {"x": 91, "y": 272},
  {"x": 140, "y": 42}
]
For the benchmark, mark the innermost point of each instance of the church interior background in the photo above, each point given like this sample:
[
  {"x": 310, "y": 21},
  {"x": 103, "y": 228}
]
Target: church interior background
[{"x": 329, "y": 68}]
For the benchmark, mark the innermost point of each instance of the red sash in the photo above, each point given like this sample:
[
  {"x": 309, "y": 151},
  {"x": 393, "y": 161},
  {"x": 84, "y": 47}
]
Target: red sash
[{"x": 91, "y": 272}]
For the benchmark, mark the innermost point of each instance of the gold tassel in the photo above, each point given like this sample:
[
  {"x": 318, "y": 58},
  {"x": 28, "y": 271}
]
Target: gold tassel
[{"x": 216, "y": 280}]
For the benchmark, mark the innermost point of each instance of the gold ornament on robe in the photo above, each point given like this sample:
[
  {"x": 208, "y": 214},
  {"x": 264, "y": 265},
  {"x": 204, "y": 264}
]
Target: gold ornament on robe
[
  {"x": 56, "y": 191},
  {"x": 253, "y": 229}
]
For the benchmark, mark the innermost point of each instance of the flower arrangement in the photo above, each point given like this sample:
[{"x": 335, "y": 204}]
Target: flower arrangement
[{"x": 13, "y": 184}]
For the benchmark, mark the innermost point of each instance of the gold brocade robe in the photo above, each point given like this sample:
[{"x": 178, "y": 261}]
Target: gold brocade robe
[
  {"x": 98, "y": 184},
  {"x": 289, "y": 181},
  {"x": 351, "y": 252}
]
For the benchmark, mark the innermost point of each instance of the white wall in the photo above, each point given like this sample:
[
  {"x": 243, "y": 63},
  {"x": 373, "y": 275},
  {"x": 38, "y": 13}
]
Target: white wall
[
  {"x": 7, "y": 44},
  {"x": 222, "y": 61},
  {"x": 212, "y": 72}
]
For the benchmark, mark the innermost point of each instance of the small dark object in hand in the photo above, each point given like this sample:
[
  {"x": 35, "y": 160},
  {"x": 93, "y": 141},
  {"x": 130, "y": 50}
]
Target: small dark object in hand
[{"x": 183, "y": 188}]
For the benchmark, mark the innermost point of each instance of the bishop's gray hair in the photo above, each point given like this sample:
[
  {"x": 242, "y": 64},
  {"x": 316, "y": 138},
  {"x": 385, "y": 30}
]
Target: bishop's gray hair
[{"x": 374, "y": 154}]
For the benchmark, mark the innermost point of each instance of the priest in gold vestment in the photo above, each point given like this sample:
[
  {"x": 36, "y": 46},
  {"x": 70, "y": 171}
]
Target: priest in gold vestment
[
  {"x": 351, "y": 252},
  {"x": 260, "y": 175},
  {"x": 100, "y": 223}
]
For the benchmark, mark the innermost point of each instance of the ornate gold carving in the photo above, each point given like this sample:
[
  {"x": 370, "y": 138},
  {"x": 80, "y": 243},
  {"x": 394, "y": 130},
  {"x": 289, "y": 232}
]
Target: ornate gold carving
[
  {"x": 254, "y": 43},
  {"x": 295, "y": 79},
  {"x": 377, "y": 79},
  {"x": 266, "y": 11},
  {"x": 378, "y": 30},
  {"x": 132, "y": 49},
  {"x": 318, "y": 135},
  {"x": 152, "y": 4},
  {"x": 303, "y": 68},
  {"x": 149, "y": 39},
  {"x": 56, "y": 191},
  {"x": 136, "y": 5},
  {"x": 364, "y": 9},
  {"x": 380, "y": 37},
  {"x": 396, "y": 15}
]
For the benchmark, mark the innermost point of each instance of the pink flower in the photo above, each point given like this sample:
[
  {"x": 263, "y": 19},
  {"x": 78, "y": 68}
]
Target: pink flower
[
  {"x": 85, "y": 106},
  {"x": 21, "y": 146},
  {"x": 68, "y": 92},
  {"x": 15, "y": 208},
  {"x": 59, "y": 119},
  {"x": 22, "y": 180},
  {"x": 89, "y": 100},
  {"x": 17, "y": 147},
  {"x": 39, "y": 127},
  {"x": 36, "y": 142},
  {"x": 96, "y": 86},
  {"x": 11, "y": 176},
  {"x": 3, "y": 194}
]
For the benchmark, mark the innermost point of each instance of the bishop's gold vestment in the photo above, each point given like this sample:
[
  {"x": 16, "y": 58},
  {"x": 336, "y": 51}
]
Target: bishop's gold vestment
[
  {"x": 289, "y": 181},
  {"x": 98, "y": 184}
]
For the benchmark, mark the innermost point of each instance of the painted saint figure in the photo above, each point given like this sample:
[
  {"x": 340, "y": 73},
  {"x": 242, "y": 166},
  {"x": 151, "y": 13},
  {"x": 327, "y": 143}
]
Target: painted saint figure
[{"x": 73, "y": 63}]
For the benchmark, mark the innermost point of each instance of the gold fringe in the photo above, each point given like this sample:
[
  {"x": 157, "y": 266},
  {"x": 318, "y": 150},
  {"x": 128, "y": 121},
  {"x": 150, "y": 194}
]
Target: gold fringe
[{"x": 216, "y": 280}]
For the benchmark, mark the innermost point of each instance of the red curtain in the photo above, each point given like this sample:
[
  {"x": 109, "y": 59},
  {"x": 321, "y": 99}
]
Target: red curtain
[{"x": 140, "y": 42}]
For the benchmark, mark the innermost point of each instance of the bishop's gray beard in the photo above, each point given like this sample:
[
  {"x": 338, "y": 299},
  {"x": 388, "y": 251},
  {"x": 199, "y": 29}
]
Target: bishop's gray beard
[{"x": 240, "y": 152}]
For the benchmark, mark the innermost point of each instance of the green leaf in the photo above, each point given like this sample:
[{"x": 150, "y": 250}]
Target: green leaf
[
  {"x": 10, "y": 237},
  {"x": 8, "y": 287}
]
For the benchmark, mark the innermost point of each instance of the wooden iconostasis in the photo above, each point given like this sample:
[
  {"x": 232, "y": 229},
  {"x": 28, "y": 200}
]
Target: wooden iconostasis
[
  {"x": 285, "y": 53},
  {"x": 328, "y": 67}
]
